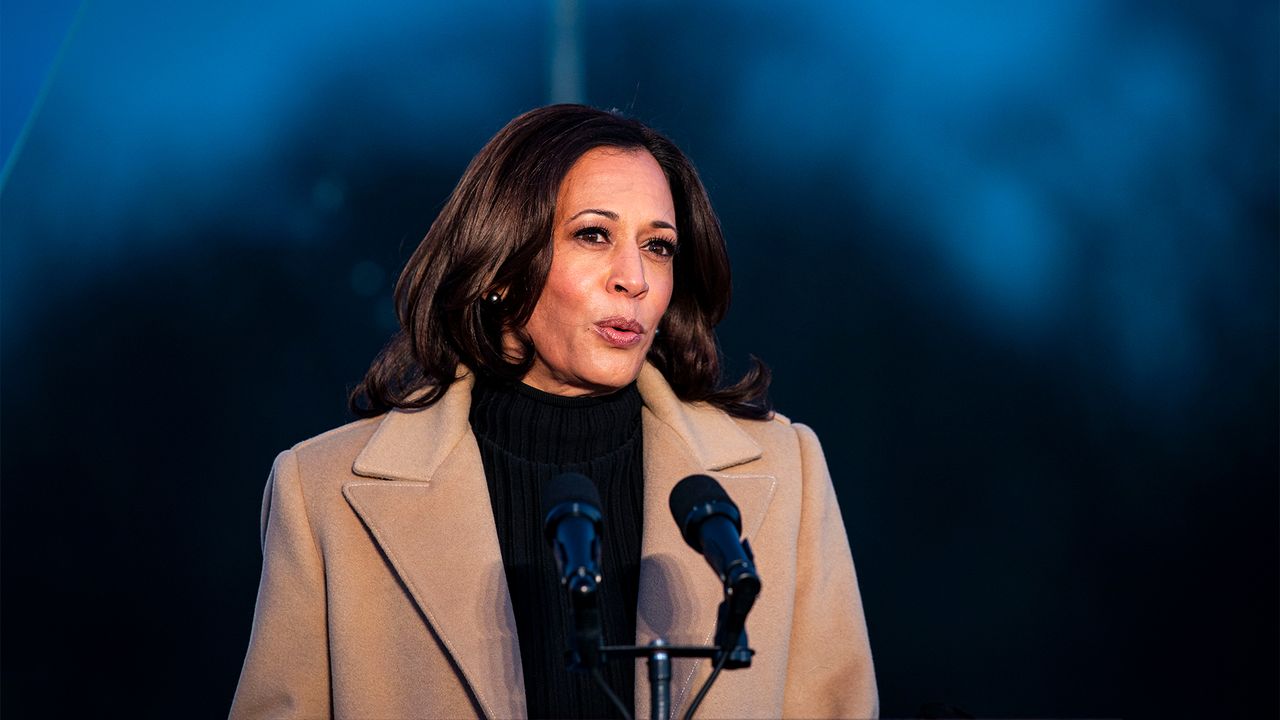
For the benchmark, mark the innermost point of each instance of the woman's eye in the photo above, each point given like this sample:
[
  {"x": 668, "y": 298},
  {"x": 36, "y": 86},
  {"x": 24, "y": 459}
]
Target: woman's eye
[
  {"x": 661, "y": 247},
  {"x": 592, "y": 235}
]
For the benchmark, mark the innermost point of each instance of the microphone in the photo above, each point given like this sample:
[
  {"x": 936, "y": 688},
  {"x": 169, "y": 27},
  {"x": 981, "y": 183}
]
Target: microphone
[
  {"x": 711, "y": 524},
  {"x": 571, "y": 506}
]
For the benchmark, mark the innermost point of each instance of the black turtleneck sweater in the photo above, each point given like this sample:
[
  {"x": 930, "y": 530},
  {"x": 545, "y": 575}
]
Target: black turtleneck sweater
[{"x": 526, "y": 437}]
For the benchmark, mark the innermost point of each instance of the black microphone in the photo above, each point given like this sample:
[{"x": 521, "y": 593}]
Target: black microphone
[
  {"x": 712, "y": 525},
  {"x": 571, "y": 506}
]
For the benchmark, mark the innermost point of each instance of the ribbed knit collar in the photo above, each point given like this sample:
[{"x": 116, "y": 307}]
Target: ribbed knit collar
[{"x": 544, "y": 428}]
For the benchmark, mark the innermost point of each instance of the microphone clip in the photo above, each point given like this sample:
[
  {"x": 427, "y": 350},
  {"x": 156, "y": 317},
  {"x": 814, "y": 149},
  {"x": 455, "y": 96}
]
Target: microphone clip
[{"x": 738, "y": 648}]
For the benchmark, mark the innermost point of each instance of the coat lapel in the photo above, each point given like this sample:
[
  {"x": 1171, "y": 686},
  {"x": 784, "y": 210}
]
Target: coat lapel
[
  {"x": 679, "y": 592},
  {"x": 435, "y": 526}
]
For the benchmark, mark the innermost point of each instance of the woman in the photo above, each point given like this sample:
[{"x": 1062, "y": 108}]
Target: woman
[{"x": 558, "y": 316}]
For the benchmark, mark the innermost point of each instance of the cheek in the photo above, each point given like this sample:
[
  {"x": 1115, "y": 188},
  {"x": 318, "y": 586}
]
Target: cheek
[
  {"x": 563, "y": 301},
  {"x": 661, "y": 293},
  {"x": 559, "y": 311}
]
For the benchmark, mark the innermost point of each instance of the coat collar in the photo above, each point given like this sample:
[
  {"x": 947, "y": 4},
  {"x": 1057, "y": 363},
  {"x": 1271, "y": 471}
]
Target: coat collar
[
  {"x": 399, "y": 449},
  {"x": 451, "y": 563}
]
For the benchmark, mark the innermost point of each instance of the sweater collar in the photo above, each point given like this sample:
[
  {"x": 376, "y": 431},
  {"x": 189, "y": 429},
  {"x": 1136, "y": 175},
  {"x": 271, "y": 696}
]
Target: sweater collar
[{"x": 540, "y": 427}]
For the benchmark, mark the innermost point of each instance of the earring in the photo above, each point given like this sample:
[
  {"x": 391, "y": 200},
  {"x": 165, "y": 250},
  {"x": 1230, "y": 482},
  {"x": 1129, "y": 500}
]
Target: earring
[{"x": 493, "y": 298}]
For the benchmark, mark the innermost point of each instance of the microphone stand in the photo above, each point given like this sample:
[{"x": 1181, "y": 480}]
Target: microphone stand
[{"x": 658, "y": 655}]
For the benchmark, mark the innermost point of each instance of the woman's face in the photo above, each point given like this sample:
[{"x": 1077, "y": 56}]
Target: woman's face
[{"x": 611, "y": 274}]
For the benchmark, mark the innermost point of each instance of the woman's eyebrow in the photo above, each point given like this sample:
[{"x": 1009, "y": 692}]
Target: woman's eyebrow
[
  {"x": 656, "y": 224},
  {"x": 607, "y": 213}
]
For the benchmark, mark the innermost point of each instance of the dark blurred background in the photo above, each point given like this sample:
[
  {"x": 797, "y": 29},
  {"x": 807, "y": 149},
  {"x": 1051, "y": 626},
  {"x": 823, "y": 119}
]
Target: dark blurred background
[{"x": 1015, "y": 262}]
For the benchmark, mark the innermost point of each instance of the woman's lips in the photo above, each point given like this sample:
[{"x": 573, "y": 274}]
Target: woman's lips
[{"x": 620, "y": 332}]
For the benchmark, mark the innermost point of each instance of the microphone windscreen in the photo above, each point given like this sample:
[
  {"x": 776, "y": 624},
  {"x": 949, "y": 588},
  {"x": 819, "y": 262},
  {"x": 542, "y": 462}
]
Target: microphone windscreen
[
  {"x": 569, "y": 488},
  {"x": 693, "y": 492}
]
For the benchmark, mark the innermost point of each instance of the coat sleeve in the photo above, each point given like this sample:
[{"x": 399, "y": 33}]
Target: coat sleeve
[
  {"x": 286, "y": 670},
  {"x": 830, "y": 673}
]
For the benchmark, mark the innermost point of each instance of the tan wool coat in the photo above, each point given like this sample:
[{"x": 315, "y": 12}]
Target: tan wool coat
[{"x": 383, "y": 593}]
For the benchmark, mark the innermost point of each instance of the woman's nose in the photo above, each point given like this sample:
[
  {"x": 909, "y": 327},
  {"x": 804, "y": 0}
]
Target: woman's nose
[{"x": 627, "y": 274}]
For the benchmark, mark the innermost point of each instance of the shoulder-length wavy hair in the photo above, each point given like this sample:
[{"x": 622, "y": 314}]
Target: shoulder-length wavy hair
[{"x": 495, "y": 232}]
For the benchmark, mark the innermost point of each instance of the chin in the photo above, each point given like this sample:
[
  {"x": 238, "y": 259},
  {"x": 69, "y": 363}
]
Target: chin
[
  {"x": 607, "y": 377},
  {"x": 607, "y": 382},
  {"x": 587, "y": 371}
]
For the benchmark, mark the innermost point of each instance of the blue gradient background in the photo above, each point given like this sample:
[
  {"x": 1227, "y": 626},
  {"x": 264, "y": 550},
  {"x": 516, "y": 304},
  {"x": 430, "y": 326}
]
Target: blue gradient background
[{"x": 1016, "y": 263}]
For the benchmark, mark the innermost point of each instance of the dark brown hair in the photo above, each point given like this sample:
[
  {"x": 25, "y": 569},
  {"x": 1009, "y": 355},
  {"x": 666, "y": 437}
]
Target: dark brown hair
[{"x": 495, "y": 232}]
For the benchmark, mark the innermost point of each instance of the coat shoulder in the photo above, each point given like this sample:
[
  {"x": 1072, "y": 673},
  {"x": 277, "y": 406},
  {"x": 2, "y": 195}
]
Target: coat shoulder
[
  {"x": 787, "y": 447},
  {"x": 317, "y": 468},
  {"x": 336, "y": 448},
  {"x": 778, "y": 432}
]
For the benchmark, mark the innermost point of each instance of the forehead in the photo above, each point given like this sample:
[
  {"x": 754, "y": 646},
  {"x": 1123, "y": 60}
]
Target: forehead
[{"x": 617, "y": 179}]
